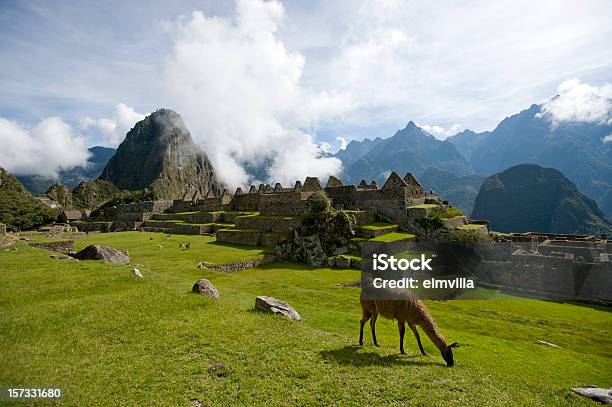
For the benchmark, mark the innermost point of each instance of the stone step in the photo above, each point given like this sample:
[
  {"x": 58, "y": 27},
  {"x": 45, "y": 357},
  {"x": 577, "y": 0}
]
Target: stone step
[
  {"x": 376, "y": 229},
  {"x": 251, "y": 237}
]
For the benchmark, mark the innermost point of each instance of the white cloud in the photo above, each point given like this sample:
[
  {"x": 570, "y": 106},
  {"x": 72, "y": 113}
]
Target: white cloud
[
  {"x": 579, "y": 102},
  {"x": 325, "y": 147},
  {"x": 343, "y": 142},
  {"x": 115, "y": 128},
  {"x": 607, "y": 139},
  {"x": 239, "y": 90},
  {"x": 441, "y": 133},
  {"x": 45, "y": 149}
]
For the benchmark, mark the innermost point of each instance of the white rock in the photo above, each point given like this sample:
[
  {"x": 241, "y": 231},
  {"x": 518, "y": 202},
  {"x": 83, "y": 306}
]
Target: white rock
[{"x": 137, "y": 272}]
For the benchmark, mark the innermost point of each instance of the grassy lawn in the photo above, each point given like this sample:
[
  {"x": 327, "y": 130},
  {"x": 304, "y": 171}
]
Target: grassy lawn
[
  {"x": 379, "y": 226},
  {"x": 393, "y": 237},
  {"x": 109, "y": 338},
  {"x": 424, "y": 206}
]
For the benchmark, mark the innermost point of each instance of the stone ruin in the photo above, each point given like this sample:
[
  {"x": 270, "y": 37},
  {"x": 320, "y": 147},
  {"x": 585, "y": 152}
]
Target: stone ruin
[{"x": 231, "y": 217}]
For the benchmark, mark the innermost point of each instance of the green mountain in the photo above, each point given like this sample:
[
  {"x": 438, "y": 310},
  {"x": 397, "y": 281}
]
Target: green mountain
[
  {"x": 577, "y": 150},
  {"x": 160, "y": 155},
  {"x": 18, "y": 208},
  {"x": 38, "y": 184},
  {"x": 528, "y": 197}
]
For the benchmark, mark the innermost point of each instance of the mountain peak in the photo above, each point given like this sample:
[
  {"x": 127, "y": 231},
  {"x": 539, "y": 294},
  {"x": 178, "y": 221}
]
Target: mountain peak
[
  {"x": 411, "y": 125},
  {"x": 159, "y": 153}
]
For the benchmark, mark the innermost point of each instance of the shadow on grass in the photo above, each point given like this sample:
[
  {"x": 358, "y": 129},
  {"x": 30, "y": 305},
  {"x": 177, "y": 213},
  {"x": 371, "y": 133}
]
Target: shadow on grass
[{"x": 357, "y": 356}]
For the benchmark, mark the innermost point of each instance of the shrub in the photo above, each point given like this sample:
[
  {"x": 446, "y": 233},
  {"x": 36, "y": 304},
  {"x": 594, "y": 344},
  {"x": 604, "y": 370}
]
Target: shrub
[{"x": 333, "y": 227}]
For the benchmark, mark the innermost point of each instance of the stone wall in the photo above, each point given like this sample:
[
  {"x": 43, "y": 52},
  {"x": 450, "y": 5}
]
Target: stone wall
[
  {"x": 62, "y": 246},
  {"x": 284, "y": 204},
  {"x": 179, "y": 228},
  {"x": 268, "y": 224},
  {"x": 133, "y": 216},
  {"x": 242, "y": 237},
  {"x": 363, "y": 217},
  {"x": 552, "y": 275},
  {"x": 246, "y": 202},
  {"x": 93, "y": 226},
  {"x": 271, "y": 239},
  {"x": 2, "y": 229},
  {"x": 455, "y": 222},
  {"x": 242, "y": 264}
]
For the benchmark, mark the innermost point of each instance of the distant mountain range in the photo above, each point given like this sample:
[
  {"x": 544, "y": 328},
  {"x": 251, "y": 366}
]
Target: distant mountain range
[
  {"x": 411, "y": 149},
  {"x": 528, "y": 197},
  {"x": 576, "y": 149},
  {"x": 159, "y": 153},
  {"x": 71, "y": 178},
  {"x": 454, "y": 168}
]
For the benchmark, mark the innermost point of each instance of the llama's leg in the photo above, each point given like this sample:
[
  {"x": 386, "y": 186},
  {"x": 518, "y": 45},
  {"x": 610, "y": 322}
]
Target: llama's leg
[
  {"x": 364, "y": 319},
  {"x": 418, "y": 338},
  {"x": 402, "y": 330},
  {"x": 373, "y": 327}
]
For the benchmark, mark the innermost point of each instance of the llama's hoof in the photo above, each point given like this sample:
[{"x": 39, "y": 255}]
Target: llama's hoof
[
  {"x": 402, "y": 352},
  {"x": 377, "y": 345},
  {"x": 360, "y": 343}
]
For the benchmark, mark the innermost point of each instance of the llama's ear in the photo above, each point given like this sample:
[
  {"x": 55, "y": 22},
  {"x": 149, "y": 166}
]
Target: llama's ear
[{"x": 453, "y": 345}]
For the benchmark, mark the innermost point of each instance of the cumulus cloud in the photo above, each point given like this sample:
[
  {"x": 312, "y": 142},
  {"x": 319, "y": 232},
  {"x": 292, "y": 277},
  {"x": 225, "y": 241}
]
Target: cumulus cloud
[
  {"x": 239, "y": 89},
  {"x": 114, "y": 129},
  {"x": 607, "y": 139},
  {"x": 579, "y": 102},
  {"x": 441, "y": 133},
  {"x": 50, "y": 146},
  {"x": 343, "y": 142}
]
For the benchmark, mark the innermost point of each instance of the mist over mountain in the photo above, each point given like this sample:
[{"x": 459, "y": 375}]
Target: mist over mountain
[
  {"x": 528, "y": 197},
  {"x": 71, "y": 178},
  {"x": 158, "y": 153}
]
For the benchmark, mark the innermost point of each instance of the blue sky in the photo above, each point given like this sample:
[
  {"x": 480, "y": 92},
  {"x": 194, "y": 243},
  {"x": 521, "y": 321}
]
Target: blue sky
[{"x": 309, "y": 72}]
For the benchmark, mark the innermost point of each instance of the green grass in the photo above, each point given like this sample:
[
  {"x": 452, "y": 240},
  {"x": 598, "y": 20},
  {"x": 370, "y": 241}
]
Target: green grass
[
  {"x": 379, "y": 226},
  {"x": 109, "y": 338},
  {"x": 393, "y": 237},
  {"x": 276, "y": 217},
  {"x": 424, "y": 206}
]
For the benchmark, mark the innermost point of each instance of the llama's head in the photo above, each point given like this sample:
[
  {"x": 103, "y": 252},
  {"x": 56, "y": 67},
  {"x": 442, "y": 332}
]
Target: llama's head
[{"x": 447, "y": 353}]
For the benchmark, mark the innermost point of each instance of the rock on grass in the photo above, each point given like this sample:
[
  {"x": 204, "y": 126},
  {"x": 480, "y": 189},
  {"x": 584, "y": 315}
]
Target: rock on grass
[
  {"x": 104, "y": 253},
  {"x": 276, "y": 306},
  {"x": 205, "y": 287}
]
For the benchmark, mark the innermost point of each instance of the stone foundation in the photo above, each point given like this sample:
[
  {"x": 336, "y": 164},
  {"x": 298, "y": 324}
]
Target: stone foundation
[
  {"x": 242, "y": 237},
  {"x": 63, "y": 246}
]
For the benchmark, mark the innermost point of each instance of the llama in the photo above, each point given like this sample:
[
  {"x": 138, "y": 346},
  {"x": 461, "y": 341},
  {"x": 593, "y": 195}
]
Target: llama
[{"x": 406, "y": 310}]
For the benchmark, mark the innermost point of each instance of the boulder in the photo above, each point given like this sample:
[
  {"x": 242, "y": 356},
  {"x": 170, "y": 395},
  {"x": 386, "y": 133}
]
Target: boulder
[
  {"x": 275, "y": 306},
  {"x": 205, "y": 287},
  {"x": 603, "y": 396},
  {"x": 313, "y": 251},
  {"x": 105, "y": 253}
]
